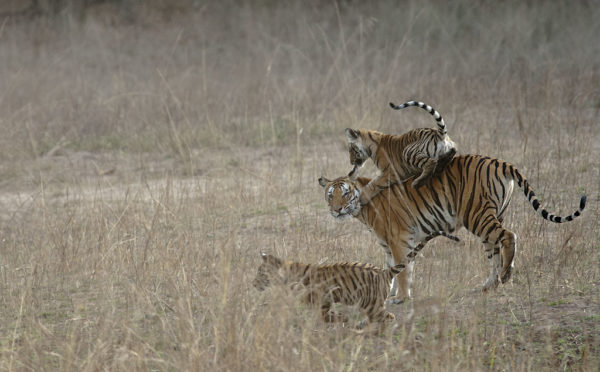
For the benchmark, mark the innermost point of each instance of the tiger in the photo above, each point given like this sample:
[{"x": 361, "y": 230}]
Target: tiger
[
  {"x": 399, "y": 157},
  {"x": 349, "y": 283},
  {"x": 471, "y": 191}
]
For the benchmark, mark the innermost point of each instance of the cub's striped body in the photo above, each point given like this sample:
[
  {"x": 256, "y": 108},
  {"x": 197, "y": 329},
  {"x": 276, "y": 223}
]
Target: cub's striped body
[
  {"x": 399, "y": 157},
  {"x": 472, "y": 191},
  {"x": 347, "y": 283}
]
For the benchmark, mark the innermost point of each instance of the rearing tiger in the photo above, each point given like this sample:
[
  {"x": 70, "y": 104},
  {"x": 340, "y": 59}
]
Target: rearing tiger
[
  {"x": 399, "y": 157},
  {"x": 472, "y": 191}
]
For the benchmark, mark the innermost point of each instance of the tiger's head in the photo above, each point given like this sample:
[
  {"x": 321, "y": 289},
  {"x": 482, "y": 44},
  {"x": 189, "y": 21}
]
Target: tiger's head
[
  {"x": 342, "y": 195},
  {"x": 360, "y": 145},
  {"x": 271, "y": 271}
]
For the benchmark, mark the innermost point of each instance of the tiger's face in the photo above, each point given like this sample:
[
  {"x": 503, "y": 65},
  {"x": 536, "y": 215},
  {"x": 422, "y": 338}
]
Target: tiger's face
[
  {"x": 358, "y": 151},
  {"x": 269, "y": 272},
  {"x": 342, "y": 196}
]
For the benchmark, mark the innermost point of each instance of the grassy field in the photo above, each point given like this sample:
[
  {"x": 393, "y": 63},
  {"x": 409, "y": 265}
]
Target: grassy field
[{"x": 150, "y": 152}]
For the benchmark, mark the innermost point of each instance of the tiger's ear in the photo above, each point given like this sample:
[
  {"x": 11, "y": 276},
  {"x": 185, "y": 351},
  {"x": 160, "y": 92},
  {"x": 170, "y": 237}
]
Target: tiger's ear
[
  {"x": 353, "y": 175},
  {"x": 352, "y": 135},
  {"x": 323, "y": 181}
]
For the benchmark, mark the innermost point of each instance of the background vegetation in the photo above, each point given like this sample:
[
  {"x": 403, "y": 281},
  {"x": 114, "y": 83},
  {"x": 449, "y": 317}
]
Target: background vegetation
[{"x": 150, "y": 150}]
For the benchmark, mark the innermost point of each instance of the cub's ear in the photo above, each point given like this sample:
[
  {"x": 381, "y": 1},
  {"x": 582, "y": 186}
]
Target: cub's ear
[
  {"x": 352, "y": 135},
  {"x": 353, "y": 175},
  {"x": 272, "y": 260},
  {"x": 323, "y": 181}
]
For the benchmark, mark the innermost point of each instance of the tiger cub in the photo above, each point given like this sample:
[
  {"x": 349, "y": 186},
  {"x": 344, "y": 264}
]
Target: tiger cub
[
  {"x": 348, "y": 283},
  {"x": 416, "y": 153}
]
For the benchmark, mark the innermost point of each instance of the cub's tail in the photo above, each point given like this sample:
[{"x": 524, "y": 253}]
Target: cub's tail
[
  {"x": 429, "y": 109},
  {"x": 395, "y": 270}
]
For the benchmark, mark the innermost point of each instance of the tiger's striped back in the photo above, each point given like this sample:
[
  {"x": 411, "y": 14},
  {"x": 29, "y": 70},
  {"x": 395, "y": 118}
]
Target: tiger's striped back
[{"x": 348, "y": 283}]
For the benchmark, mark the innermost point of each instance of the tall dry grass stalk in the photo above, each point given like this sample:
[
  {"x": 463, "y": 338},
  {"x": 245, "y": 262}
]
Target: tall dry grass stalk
[{"x": 150, "y": 151}]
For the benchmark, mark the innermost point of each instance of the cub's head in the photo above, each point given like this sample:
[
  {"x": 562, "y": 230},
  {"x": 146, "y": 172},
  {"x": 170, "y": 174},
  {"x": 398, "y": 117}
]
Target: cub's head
[
  {"x": 342, "y": 195},
  {"x": 361, "y": 144},
  {"x": 271, "y": 271}
]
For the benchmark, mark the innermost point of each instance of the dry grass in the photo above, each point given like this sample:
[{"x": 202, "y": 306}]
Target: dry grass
[{"x": 150, "y": 152}]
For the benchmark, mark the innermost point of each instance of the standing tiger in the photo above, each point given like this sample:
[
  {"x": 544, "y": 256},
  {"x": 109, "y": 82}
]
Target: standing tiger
[
  {"x": 399, "y": 157},
  {"x": 348, "y": 283},
  {"x": 472, "y": 191}
]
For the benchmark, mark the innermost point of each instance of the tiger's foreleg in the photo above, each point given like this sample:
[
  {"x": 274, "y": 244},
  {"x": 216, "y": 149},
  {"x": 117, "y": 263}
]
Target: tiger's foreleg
[
  {"x": 389, "y": 262},
  {"x": 374, "y": 187},
  {"x": 402, "y": 281}
]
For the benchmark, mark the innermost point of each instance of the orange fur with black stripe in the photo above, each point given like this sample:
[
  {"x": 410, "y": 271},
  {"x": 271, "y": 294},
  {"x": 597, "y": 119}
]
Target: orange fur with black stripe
[
  {"x": 400, "y": 157},
  {"x": 323, "y": 285},
  {"x": 472, "y": 191}
]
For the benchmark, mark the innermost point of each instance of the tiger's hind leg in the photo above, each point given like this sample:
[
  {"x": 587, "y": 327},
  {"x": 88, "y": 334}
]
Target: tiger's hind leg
[
  {"x": 500, "y": 262},
  {"x": 492, "y": 252},
  {"x": 432, "y": 166},
  {"x": 507, "y": 258},
  {"x": 443, "y": 161},
  {"x": 376, "y": 314},
  {"x": 428, "y": 165},
  {"x": 508, "y": 252},
  {"x": 496, "y": 237},
  {"x": 330, "y": 316}
]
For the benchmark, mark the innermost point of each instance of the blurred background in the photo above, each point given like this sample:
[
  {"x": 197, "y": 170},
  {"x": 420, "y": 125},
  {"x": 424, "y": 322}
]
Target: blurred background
[{"x": 179, "y": 75}]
